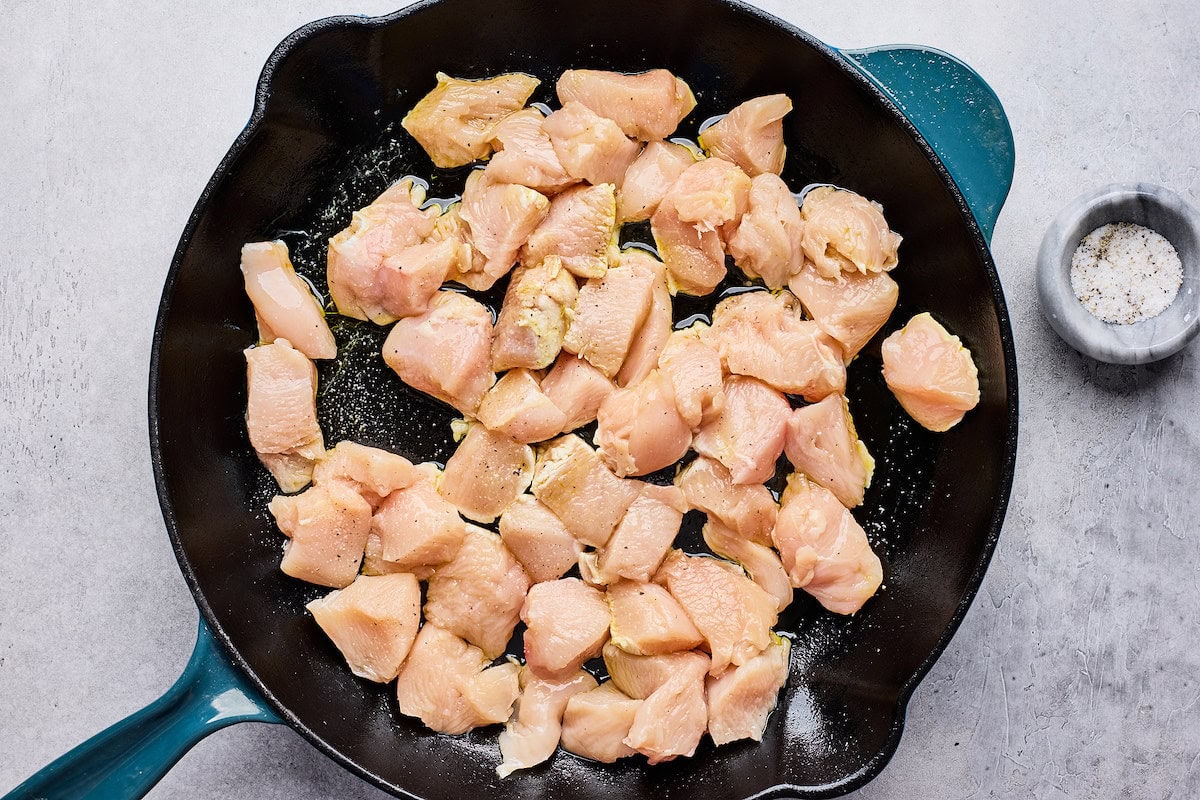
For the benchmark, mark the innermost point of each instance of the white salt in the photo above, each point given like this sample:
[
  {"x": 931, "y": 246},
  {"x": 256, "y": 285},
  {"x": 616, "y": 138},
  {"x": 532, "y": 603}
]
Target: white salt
[{"x": 1125, "y": 273}]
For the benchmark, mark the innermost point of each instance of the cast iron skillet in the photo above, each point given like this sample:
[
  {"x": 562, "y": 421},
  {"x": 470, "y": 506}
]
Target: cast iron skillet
[{"x": 322, "y": 141}]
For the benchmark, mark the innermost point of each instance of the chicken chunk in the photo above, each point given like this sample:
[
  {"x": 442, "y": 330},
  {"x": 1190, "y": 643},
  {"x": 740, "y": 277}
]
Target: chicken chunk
[
  {"x": 590, "y": 147},
  {"x": 573, "y": 482},
  {"x": 281, "y": 412},
  {"x": 566, "y": 624},
  {"x": 845, "y": 232},
  {"x": 517, "y": 408},
  {"x": 641, "y": 539},
  {"x": 822, "y": 443},
  {"x": 416, "y": 527},
  {"x": 524, "y": 154},
  {"x": 712, "y": 195},
  {"x": 409, "y": 280},
  {"x": 534, "y": 316},
  {"x": 595, "y": 723},
  {"x": 748, "y": 435},
  {"x": 694, "y": 259},
  {"x": 639, "y": 676},
  {"x": 850, "y": 307},
  {"x": 499, "y": 219},
  {"x": 761, "y": 563},
  {"x": 538, "y": 539},
  {"x": 371, "y": 472},
  {"x": 611, "y": 310},
  {"x": 747, "y": 509},
  {"x": 639, "y": 429},
  {"x": 766, "y": 243},
  {"x": 648, "y": 621},
  {"x": 751, "y": 135},
  {"x": 741, "y": 699},
  {"x": 373, "y": 622},
  {"x": 694, "y": 368},
  {"x": 652, "y": 336},
  {"x": 327, "y": 531},
  {"x": 283, "y": 302},
  {"x": 455, "y": 121},
  {"x": 581, "y": 229},
  {"x": 647, "y": 105},
  {"x": 486, "y": 473},
  {"x": 532, "y": 735},
  {"x": 577, "y": 388},
  {"x": 931, "y": 373},
  {"x": 671, "y": 721},
  {"x": 649, "y": 178}
]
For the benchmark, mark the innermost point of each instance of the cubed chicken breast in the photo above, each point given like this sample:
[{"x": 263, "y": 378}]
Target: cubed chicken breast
[
  {"x": 694, "y": 259},
  {"x": 751, "y": 135},
  {"x": 373, "y": 622},
  {"x": 281, "y": 412},
  {"x": 647, "y": 105},
  {"x": 761, "y": 562},
  {"x": 409, "y": 280},
  {"x": 517, "y": 408},
  {"x": 639, "y": 429},
  {"x": 445, "y": 352},
  {"x": 748, "y": 435},
  {"x": 524, "y": 154},
  {"x": 765, "y": 336},
  {"x": 648, "y": 621},
  {"x": 611, "y": 310},
  {"x": 534, "y": 316},
  {"x": 479, "y": 593},
  {"x": 845, "y": 232},
  {"x": 577, "y": 388},
  {"x": 538, "y": 539},
  {"x": 455, "y": 121},
  {"x": 572, "y": 481},
  {"x": 595, "y": 723},
  {"x": 641, "y": 539},
  {"x": 694, "y": 368},
  {"x": 640, "y": 676},
  {"x": 741, "y": 699},
  {"x": 486, "y": 473},
  {"x": 822, "y": 443},
  {"x": 671, "y": 721},
  {"x": 590, "y": 147},
  {"x": 532, "y": 735},
  {"x": 931, "y": 373},
  {"x": 747, "y": 509},
  {"x": 766, "y": 243},
  {"x": 711, "y": 195},
  {"x": 371, "y": 472},
  {"x": 416, "y": 527},
  {"x": 732, "y": 612},
  {"x": 649, "y": 178},
  {"x": 566, "y": 624},
  {"x": 499, "y": 218},
  {"x": 824, "y": 549},
  {"x": 850, "y": 307},
  {"x": 327, "y": 531},
  {"x": 581, "y": 229},
  {"x": 375, "y": 564},
  {"x": 652, "y": 336},
  {"x": 283, "y": 303}
]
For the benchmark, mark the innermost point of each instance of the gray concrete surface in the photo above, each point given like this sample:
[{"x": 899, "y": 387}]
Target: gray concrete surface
[{"x": 1076, "y": 673}]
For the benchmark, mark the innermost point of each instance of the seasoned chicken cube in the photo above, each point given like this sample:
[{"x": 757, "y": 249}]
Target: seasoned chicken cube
[
  {"x": 486, "y": 473},
  {"x": 499, "y": 218},
  {"x": 371, "y": 472},
  {"x": 649, "y": 178},
  {"x": 375, "y": 564},
  {"x": 455, "y": 121},
  {"x": 517, "y": 408},
  {"x": 283, "y": 303},
  {"x": 824, "y": 549},
  {"x": 577, "y": 388},
  {"x": 281, "y": 412},
  {"x": 327, "y": 531},
  {"x": 845, "y": 232},
  {"x": 652, "y": 336},
  {"x": 647, "y": 105},
  {"x": 532, "y": 735},
  {"x": 409, "y": 280},
  {"x": 444, "y": 683},
  {"x": 850, "y": 307},
  {"x": 694, "y": 368},
  {"x": 581, "y": 229},
  {"x": 732, "y": 612},
  {"x": 573, "y": 482},
  {"x": 566, "y": 624},
  {"x": 416, "y": 527},
  {"x": 445, "y": 352},
  {"x": 538, "y": 539},
  {"x": 639, "y": 676},
  {"x": 534, "y": 316},
  {"x": 694, "y": 259},
  {"x": 766, "y": 243},
  {"x": 596, "y": 723},
  {"x": 741, "y": 699},
  {"x": 931, "y": 373},
  {"x": 648, "y": 621},
  {"x": 748, "y": 435},
  {"x": 524, "y": 154},
  {"x": 761, "y": 563},
  {"x": 711, "y": 195},
  {"x": 822, "y": 443},
  {"x": 641, "y": 539},
  {"x": 590, "y": 147},
  {"x": 611, "y": 310},
  {"x": 373, "y": 622},
  {"x": 478, "y": 594},
  {"x": 747, "y": 509},
  {"x": 751, "y": 135},
  {"x": 766, "y": 336},
  {"x": 671, "y": 721},
  {"x": 639, "y": 429}
]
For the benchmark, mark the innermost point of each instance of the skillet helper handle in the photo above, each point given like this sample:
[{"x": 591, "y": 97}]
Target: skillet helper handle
[
  {"x": 127, "y": 759},
  {"x": 957, "y": 113}
]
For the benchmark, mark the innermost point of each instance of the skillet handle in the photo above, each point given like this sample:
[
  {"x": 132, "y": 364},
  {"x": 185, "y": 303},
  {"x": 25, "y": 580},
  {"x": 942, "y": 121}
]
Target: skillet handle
[
  {"x": 957, "y": 113},
  {"x": 127, "y": 759}
]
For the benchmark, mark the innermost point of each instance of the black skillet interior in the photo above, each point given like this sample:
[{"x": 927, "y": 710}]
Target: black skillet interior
[{"x": 324, "y": 140}]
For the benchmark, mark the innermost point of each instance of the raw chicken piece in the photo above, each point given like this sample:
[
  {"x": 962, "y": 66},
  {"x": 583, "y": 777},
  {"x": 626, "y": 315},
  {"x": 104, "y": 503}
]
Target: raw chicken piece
[
  {"x": 851, "y": 307},
  {"x": 281, "y": 412},
  {"x": 823, "y": 548},
  {"x": 639, "y": 676},
  {"x": 524, "y": 154},
  {"x": 710, "y": 194},
  {"x": 581, "y": 229},
  {"x": 517, "y": 408},
  {"x": 533, "y": 319},
  {"x": 409, "y": 280},
  {"x": 748, "y": 509},
  {"x": 486, "y": 473},
  {"x": 577, "y": 388},
  {"x": 845, "y": 232},
  {"x": 651, "y": 336},
  {"x": 671, "y": 721},
  {"x": 596, "y": 723},
  {"x": 766, "y": 336},
  {"x": 532, "y": 735},
  {"x": 822, "y": 443},
  {"x": 610, "y": 311},
  {"x": 327, "y": 531},
  {"x": 499, "y": 218},
  {"x": 446, "y": 352},
  {"x": 751, "y": 135},
  {"x": 283, "y": 302},
  {"x": 573, "y": 482},
  {"x": 648, "y": 105},
  {"x": 590, "y": 147},
  {"x": 760, "y": 562},
  {"x": 694, "y": 368},
  {"x": 538, "y": 539},
  {"x": 373, "y": 621},
  {"x": 444, "y": 684},
  {"x": 741, "y": 699},
  {"x": 478, "y": 594},
  {"x": 648, "y": 621},
  {"x": 567, "y": 623},
  {"x": 641, "y": 539},
  {"x": 695, "y": 260},
  {"x": 416, "y": 527},
  {"x": 748, "y": 435},
  {"x": 649, "y": 178},
  {"x": 639, "y": 429},
  {"x": 767, "y": 241},
  {"x": 375, "y": 564},
  {"x": 931, "y": 373},
  {"x": 732, "y": 612},
  {"x": 455, "y": 121},
  {"x": 371, "y": 472}
]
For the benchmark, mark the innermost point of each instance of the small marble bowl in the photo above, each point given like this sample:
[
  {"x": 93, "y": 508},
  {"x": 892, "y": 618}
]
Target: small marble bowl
[{"x": 1144, "y": 204}]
